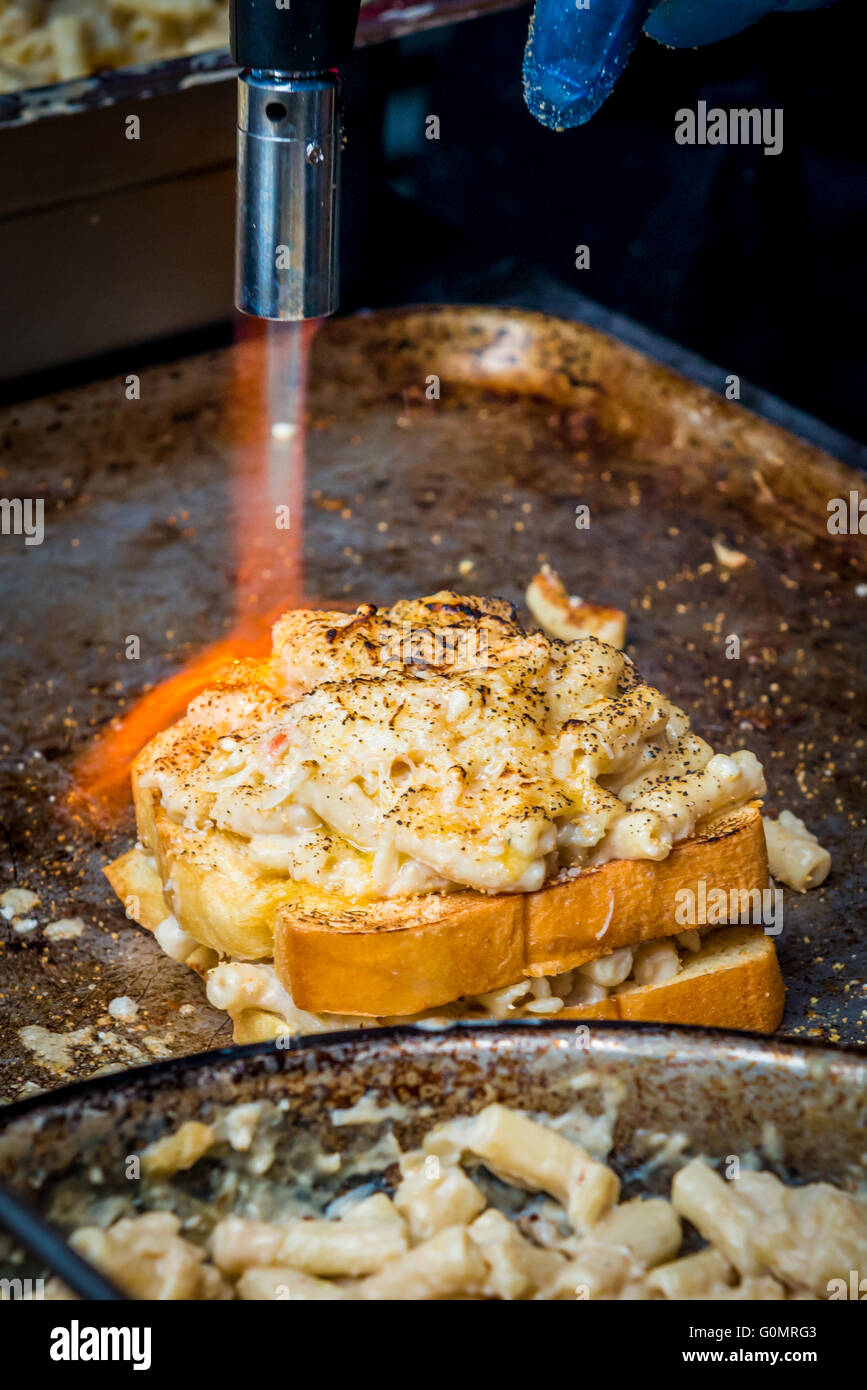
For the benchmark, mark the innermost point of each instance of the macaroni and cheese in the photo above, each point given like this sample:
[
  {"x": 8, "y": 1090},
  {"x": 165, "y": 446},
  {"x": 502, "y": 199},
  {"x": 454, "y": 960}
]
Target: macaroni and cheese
[
  {"x": 562, "y": 1231},
  {"x": 352, "y": 763}
]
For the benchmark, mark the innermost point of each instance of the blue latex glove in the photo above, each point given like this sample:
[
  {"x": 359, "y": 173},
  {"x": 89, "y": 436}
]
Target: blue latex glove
[{"x": 577, "y": 49}]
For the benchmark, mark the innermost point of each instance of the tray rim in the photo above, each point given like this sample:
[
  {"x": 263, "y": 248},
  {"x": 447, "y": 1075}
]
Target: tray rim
[{"x": 765, "y": 1047}]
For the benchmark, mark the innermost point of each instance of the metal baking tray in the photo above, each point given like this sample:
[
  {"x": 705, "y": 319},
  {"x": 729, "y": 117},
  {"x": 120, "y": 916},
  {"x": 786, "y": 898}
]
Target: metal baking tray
[
  {"x": 801, "y": 1111},
  {"x": 404, "y": 495}
]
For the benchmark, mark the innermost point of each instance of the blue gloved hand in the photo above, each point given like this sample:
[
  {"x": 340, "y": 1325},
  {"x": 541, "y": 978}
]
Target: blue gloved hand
[{"x": 577, "y": 49}]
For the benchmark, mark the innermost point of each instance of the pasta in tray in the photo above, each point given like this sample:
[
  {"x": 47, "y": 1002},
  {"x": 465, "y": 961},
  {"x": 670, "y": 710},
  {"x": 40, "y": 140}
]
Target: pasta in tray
[
  {"x": 436, "y": 1235},
  {"x": 48, "y": 41}
]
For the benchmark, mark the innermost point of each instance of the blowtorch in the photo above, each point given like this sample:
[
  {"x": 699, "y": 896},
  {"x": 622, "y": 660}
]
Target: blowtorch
[{"x": 287, "y": 235}]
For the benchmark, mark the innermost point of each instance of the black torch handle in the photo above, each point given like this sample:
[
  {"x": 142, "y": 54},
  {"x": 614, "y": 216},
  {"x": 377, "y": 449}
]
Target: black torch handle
[{"x": 305, "y": 36}]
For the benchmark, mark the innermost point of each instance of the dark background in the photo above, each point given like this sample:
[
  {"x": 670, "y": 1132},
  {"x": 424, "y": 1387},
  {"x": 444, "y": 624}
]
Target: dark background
[{"x": 754, "y": 261}]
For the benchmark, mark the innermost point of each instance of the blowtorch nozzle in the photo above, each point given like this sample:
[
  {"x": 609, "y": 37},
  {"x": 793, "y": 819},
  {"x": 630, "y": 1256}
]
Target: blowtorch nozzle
[
  {"x": 289, "y": 139},
  {"x": 287, "y": 213}
]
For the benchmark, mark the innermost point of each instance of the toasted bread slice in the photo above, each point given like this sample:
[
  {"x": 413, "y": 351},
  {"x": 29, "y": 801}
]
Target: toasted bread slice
[
  {"x": 218, "y": 894},
  {"x": 403, "y": 956},
  {"x": 428, "y": 950},
  {"x": 733, "y": 981},
  {"x": 399, "y": 956},
  {"x": 135, "y": 879}
]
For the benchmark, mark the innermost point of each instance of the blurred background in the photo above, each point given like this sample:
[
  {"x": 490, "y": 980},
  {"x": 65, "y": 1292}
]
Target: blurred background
[{"x": 754, "y": 262}]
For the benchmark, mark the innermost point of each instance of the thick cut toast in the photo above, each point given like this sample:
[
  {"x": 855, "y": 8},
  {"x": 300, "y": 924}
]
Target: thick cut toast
[
  {"x": 402, "y": 956},
  {"x": 733, "y": 981}
]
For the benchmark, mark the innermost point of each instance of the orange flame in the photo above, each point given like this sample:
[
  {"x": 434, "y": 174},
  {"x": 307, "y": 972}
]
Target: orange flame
[{"x": 266, "y": 416}]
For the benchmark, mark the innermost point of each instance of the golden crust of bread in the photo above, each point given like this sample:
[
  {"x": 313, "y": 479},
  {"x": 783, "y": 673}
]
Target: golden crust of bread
[
  {"x": 734, "y": 981},
  {"x": 135, "y": 879},
  {"x": 402, "y": 956},
  {"x": 464, "y": 943},
  {"x": 637, "y": 897}
]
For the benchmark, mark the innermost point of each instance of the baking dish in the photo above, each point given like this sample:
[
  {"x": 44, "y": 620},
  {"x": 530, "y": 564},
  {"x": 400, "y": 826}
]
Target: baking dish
[{"x": 658, "y": 1094}]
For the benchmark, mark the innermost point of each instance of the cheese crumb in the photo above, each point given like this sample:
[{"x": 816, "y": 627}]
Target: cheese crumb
[
  {"x": 123, "y": 1007},
  {"x": 16, "y": 901},
  {"x": 64, "y": 929},
  {"x": 730, "y": 559}
]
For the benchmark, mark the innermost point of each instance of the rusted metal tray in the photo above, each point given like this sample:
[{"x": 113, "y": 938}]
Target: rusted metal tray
[{"x": 150, "y": 510}]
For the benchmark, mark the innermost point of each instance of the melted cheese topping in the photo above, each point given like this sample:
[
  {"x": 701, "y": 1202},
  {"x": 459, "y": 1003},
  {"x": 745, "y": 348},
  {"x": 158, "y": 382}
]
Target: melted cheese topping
[{"x": 437, "y": 745}]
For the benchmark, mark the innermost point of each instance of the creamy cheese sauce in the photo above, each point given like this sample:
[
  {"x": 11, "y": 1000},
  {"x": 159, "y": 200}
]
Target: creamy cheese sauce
[{"x": 358, "y": 763}]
